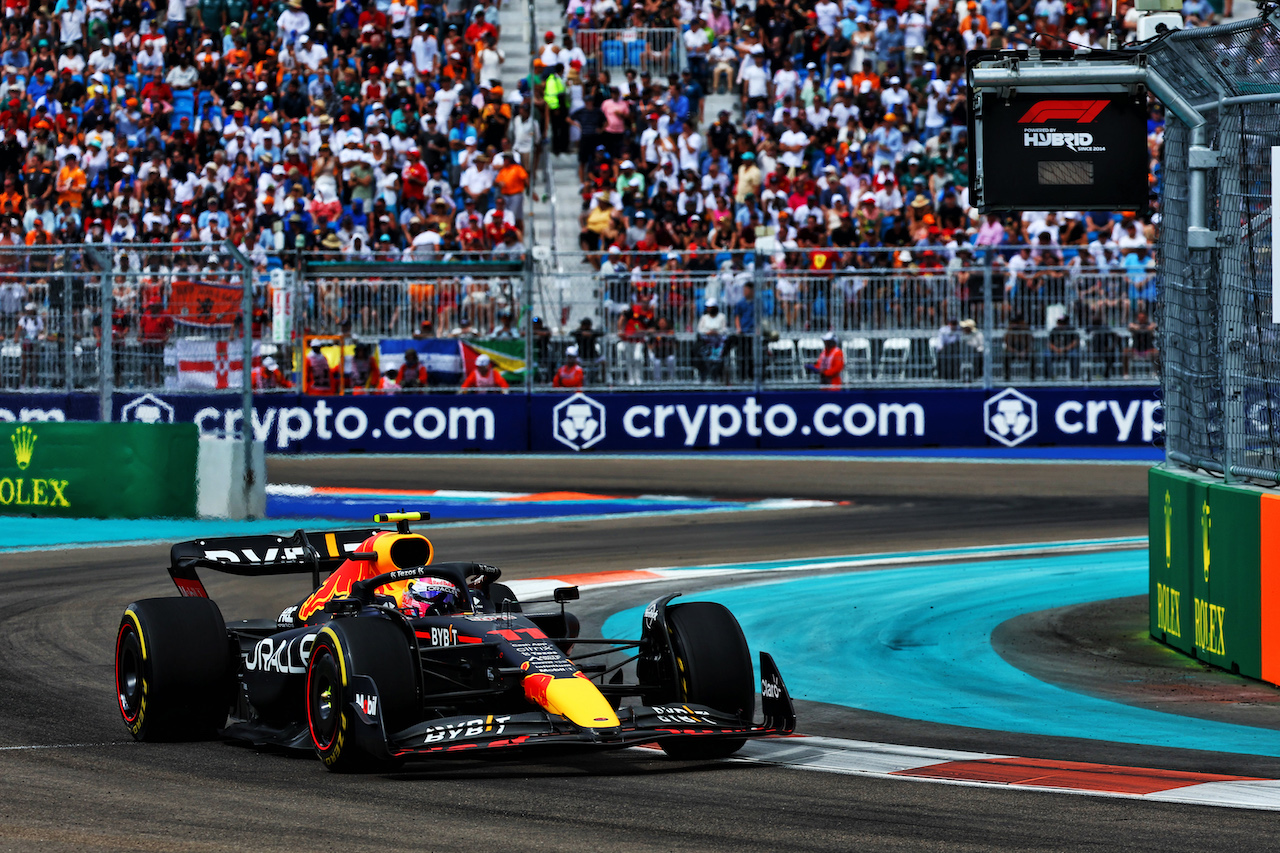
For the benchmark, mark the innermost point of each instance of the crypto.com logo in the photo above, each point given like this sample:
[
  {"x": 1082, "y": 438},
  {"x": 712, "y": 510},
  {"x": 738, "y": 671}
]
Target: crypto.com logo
[
  {"x": 1081, "y": 112},
  {"x": 1009, "y": 417},
  {"x": 578, "y": 422},
  {"x": 149, "y": 409}
]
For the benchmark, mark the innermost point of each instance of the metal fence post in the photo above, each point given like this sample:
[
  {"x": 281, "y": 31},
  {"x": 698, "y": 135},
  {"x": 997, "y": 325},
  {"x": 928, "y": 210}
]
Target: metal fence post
[
  {"x": 988, "y": 322},
  {"x": 527, "y": 323},
  {"x": 246, "y": 370},
  {"x": 68, "y": 334},
  {"x": 757, "y": 338},
  {"x": 1233, "y": 283},
  {"x": 106, "y": 354}
]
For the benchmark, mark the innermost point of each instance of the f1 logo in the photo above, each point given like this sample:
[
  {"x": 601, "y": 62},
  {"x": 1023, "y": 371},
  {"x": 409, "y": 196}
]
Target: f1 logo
[{"x": 1081, "y": 112}]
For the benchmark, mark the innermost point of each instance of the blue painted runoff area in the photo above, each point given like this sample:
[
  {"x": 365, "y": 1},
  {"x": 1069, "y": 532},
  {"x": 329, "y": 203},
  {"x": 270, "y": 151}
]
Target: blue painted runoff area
[
  {"x": 27, "y": 534},
  {"x": 463, "y": 509},
  {"x": 915, "y": 643}
]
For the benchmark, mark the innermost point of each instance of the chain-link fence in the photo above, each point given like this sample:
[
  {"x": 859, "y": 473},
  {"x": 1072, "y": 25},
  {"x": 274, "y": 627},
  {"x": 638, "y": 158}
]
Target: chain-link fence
[
  {"x": 945, "y": 316},
  {"x": 159, "y": 315},
  {"x": 1219, "y": 348},
  {"x": 929, "y": 315}
]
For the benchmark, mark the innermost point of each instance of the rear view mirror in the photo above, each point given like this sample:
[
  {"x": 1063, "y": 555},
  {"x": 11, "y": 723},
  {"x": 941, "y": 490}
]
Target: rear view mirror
[{"x": 565, "y": 593}]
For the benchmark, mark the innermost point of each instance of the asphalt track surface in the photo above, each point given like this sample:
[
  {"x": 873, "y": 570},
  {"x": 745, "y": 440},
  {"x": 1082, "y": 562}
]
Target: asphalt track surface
[{"x": 93, "y": 788}]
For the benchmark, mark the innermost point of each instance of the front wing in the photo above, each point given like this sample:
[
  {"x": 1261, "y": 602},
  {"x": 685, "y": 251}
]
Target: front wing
[{"x": 639, "y": 724}]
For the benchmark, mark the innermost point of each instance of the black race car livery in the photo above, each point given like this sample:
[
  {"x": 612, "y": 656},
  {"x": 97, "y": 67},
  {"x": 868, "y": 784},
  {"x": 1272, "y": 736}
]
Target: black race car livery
[{"x": 394, "y": 656}]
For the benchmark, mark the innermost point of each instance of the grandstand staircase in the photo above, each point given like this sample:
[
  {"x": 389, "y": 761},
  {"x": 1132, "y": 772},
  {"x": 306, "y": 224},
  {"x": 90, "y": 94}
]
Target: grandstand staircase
[{"x": 557, "y": 202}]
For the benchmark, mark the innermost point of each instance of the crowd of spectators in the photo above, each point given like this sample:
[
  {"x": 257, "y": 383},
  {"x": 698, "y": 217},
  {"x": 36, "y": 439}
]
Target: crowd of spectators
[
  {"x": 839, "y": 161},
  {"x": 371, "y": 128},
  {"x": 378, "y": 130}
]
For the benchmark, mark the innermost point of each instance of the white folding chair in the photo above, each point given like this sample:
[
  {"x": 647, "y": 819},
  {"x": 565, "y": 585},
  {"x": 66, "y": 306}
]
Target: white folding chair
[
  {"x": 895, "y": 358},
  {"x": 782, "y": 360},
  {"x": 857, "y": 358},
  {"x": 808, "y": 349}
]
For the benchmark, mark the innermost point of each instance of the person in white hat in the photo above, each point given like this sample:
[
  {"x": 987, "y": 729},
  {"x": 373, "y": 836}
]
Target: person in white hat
[
  {"x": 569, "y": 374},
  {"x": 830, "y": 364},
  {"x": 484, "y": 379},
  {"x": 713, "y": 332},
  {"x": 293, "y": 22},
  {"x": 268, "y": 376},
  {"x": 319, "y": 377},
  {"x": 712, "y": 322},
  {"x": 630, "y": 179}
]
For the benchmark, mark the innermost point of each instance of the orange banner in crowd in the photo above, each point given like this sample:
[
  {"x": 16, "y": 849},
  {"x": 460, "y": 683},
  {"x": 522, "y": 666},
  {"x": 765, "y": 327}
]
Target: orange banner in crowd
[{"x": 198, "y": 303}]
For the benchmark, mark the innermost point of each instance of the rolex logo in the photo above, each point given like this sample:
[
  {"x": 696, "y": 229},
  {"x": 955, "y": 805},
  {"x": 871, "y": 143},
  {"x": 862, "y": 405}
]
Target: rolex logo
[
  {"x": 24, "y": 444},
  {"x": 1168, "y": 530},
  {"x": 1206, "y": 522}
]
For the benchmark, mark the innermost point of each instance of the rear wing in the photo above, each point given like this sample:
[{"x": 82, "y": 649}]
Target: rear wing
[{"x": 261, "y": 556}]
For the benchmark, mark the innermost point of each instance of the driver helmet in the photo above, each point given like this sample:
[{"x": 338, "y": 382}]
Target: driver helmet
[{"x": 430, "y": 597}]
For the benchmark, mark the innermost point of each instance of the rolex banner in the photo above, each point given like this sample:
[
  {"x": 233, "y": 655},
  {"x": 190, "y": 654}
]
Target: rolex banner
[
  {"x": 1215, "y": 571},
  {"x": 1172, "y": 498},
  {"x": 95, "y": 470}
]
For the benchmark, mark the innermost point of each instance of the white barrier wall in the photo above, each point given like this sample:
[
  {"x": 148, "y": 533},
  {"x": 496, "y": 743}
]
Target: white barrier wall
[{"x": 220, "y": 491}]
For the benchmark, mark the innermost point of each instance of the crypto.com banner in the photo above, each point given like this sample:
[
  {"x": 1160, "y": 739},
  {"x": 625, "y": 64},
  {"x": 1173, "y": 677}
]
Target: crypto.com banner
[
  {"x": 296, "y": 423},
  {"x": 849, "y": 419},
  {"x": 595, "y": 422}
]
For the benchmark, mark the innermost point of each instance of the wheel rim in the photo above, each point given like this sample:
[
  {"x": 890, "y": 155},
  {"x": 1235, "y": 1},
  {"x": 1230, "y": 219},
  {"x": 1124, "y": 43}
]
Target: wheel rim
[
  {"x": 129, "y": 680},
  {"x": 323, "y": 699}
]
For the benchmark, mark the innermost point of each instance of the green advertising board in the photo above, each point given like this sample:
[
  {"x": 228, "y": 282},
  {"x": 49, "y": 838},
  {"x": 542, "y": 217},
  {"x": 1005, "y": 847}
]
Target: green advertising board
[
  {"x": 1171, "y": 598},
  {"x": 1206, "y": 569},
  {"x": 94, "y": 470},
  {"x": 1228, "y": 582}
]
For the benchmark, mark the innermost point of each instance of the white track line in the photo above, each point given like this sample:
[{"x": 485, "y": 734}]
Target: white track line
[
  {"x": 892, "y": 761},
  {"x": 538, "y": 587}
]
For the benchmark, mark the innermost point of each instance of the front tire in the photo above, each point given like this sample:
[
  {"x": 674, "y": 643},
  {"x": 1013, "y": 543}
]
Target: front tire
[
  {"x": 713, "y": 668},
  {"x": 172, "y": 667},
  {"x": 371, "y": 646}
]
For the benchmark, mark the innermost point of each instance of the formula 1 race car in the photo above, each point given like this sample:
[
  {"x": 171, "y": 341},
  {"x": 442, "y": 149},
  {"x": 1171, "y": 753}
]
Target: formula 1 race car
[{"x": 396, "y": 657}]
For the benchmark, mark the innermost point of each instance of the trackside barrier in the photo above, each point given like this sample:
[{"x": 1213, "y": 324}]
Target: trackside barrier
[
  {"x": 93, "y": 470},
  {"x": 1215, "y": 571},
  {"x": 665, "y": 421},
  {"x": 220, "y": 488}
]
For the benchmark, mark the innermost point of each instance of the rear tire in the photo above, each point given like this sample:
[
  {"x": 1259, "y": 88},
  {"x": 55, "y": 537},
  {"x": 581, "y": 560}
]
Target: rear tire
[
  {"x": 173, "y": 667},
  {"x": 370, "y": 646},
  {"x": 713, "y": 668}
]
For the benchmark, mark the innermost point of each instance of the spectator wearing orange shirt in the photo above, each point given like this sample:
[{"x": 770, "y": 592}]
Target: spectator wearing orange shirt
[
  {"x": 866, "y": 75},
  {"x": 319, "y": 377},
  {"x": 11, "y": 198},
  {"x": 38, "y": 235},
  {"x": 975, "y": 20},
  {"x": 830, "y": 364},
  {"x": 236, "y": 59},
  {"x": 269, "y": 375},
  {"x": 484, "y": 379},
  {"x": 71, "y": 182},
  {"x": 412, "y": 373},
  {"x": 569, "y": 374},
  {"x": 512, "y": 181}
]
